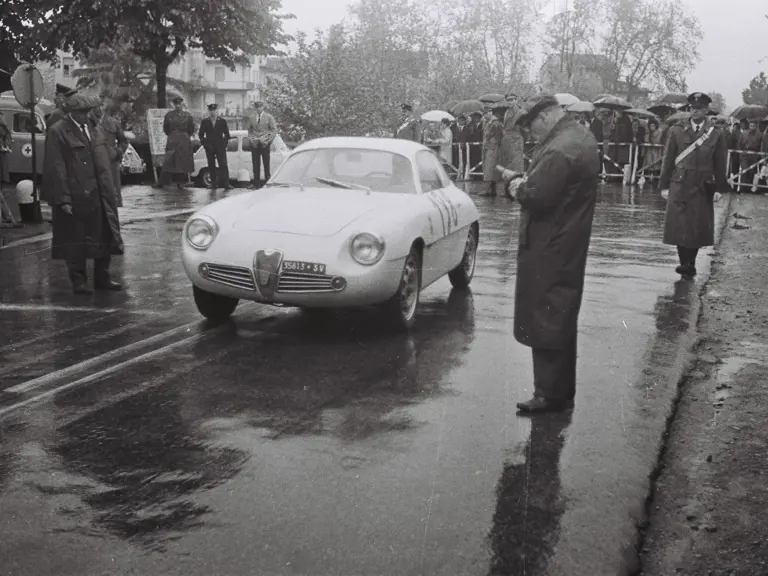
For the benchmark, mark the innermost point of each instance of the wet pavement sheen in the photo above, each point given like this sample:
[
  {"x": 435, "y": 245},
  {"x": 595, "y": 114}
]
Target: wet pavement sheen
[{"x": 275, "y": 445}]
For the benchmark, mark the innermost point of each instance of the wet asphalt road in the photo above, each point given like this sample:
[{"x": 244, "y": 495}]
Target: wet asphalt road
[{"x": 135, "y": 439}]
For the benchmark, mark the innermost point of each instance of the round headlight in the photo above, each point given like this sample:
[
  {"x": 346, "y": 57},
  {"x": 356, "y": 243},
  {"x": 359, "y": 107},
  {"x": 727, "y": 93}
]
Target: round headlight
[
  {"x": 367, "y": 249},
  {"x": 201, "y": 232}
]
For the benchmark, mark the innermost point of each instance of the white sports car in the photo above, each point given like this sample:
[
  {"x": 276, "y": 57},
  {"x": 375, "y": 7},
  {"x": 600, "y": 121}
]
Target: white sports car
[{"x": 344, "y": 222}]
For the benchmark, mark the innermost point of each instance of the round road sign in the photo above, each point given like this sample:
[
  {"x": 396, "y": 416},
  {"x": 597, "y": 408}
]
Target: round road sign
[{"x": 27, "y": 85}]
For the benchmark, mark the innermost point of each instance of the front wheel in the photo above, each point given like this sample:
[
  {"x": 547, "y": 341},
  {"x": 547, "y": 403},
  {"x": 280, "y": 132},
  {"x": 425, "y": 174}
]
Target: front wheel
[
  {"x": 462, "y": 275},
  {"x": 214, "y": 307},
  {"x": 400, "y": 310}
]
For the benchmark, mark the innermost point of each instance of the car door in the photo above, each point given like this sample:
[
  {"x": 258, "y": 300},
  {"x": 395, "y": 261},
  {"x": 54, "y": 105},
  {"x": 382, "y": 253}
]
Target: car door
[
  {"x": 233, "y": 157},
  {"x": 442, "y": 215}
]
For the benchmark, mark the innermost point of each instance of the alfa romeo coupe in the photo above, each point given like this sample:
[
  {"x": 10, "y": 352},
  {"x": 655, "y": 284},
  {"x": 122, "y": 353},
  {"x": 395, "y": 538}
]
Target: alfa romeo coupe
[{"x": 344, "y": 222}]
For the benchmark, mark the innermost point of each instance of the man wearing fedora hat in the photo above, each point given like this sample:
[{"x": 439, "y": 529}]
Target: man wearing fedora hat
[
  {"x": 692, "y": 178},
  {"x": 80, "y": 188},
  {"x": 410, "y": 127},
  {"x": 557, "y": 203},
  {"x": 178, "y": 162},
  {"x": 493, "y": 134},
  {"x": 214, "y": 136}
]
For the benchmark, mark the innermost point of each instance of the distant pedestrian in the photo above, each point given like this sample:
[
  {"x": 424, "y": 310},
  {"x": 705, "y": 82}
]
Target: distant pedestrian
[
  {"x": 178, "y": 163},
  {"x": 262, "y": 130},
  {"x": 410, "y": 127},
  {"x": 493, "y": 134},
  {"x": 214, "y": 136},
  {"x": 557, "y": 204},
  {"x": 443, "y": 141},
  {"x": 692, "y": 177},
  {"x": 512, "y": 142},
  {"x": 475, "y": 140},
  {"x": 117, "y": 143},
  {"x": 82, "y": 194}
]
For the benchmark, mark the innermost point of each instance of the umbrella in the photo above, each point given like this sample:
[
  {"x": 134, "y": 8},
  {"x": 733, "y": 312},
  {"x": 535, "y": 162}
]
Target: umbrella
[
  {"x": 565, "y": 99},
  {"x": 674, "y": 98},
  {"x": 451, "y": 105},
  {"x": 642, "y": 113},
  {"x": 601, "y": 96},
  {"x": 749, "y": 112},
  {"x": 581, "y": 107},
  {"x": 661, "y": 109},
  {"x": 612, "y": 103},
  {"x": 491, "y": 98},
  {"x": 677, "y": 117},
  {"x": 467, "y": 107},
  {"x": 436, "y": 116}
]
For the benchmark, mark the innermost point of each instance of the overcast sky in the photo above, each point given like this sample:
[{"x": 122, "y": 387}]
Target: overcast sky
[{"x": 735, "y": 33}]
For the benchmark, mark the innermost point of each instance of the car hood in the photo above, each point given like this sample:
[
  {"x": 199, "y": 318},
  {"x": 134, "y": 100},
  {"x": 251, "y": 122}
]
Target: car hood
[{"x": 311, "y": 212}]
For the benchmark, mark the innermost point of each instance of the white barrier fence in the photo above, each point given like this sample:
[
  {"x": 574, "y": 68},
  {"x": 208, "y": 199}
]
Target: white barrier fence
[{"x": 752, "y": 178}]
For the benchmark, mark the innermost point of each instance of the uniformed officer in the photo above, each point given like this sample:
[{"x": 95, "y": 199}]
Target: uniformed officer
[
  {"x": 692, "y": 177},
  {"x": 214, "y": 136},
  {"x": 410, "y": 128},
  {"x": 178, "y": 163}
]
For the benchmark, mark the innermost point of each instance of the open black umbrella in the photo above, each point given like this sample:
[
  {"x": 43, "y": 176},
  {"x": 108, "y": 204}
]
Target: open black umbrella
[
  {"x": 674, "y": 98},
  {"x": 491, "y": 98},
  {"x": 467, "y": 107},
  {"x": 661, "y": 108},
  {"x": 749, "y": 112},
  {"x": 677, "y": 117},
  {"x": 640, "y": 113},
  {"x": 612, "y": 103}
]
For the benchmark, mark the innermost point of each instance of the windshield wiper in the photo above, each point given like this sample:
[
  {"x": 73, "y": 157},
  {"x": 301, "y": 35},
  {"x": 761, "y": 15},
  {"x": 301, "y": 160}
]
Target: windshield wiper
[
  {"x": 285, "y": 185},
  {"x": 344, "y": 185}
]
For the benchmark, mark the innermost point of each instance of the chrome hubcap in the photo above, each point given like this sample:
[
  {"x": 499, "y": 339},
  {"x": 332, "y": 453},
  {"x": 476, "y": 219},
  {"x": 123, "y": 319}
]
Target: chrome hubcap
[
  {"x": 470, "y": 250},
  {"x": 410, "y": 289}
]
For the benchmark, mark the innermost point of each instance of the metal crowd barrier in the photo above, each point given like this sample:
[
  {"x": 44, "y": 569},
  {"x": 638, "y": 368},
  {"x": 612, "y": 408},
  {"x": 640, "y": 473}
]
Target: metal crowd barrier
[
  {"x": 641, "y": 168},
  {"x": 754, "y": 176}
]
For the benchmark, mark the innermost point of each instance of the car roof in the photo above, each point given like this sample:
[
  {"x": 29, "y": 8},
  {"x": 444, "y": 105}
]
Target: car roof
[{"x": 394, "y": 145}]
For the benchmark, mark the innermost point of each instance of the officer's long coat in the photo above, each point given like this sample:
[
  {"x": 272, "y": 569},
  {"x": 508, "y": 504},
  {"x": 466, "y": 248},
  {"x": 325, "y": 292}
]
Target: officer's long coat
[
  {"x": 492, "y": 137},
  {"x": 179, "y": 127},
  {"x": 81, "y": 175},
  {"x": 557, "y": 206},
  {"x": 409, "y": 129},
  {"x": 690, "y": 220},
  {"x": 512, "y": 144}
]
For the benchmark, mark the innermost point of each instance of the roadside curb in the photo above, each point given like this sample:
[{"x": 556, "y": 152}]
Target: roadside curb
[{"x": 684, "y": 363}]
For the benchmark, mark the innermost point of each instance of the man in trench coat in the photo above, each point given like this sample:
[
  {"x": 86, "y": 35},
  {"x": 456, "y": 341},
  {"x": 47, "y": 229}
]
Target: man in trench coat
[
  {"x": 178, "y": 163},
  {"x": 214, "y": 136},
  {"x": 557, "y": 203},
  {"x": 81, "y": 191},
  {"x": 493, "y": 135},
  {"x": 410, "y": 127},
  {"x": 691, "y": 184}
]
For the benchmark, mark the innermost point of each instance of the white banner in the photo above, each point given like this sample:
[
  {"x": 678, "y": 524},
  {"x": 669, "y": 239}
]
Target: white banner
[{"x": 157, "y": 137}]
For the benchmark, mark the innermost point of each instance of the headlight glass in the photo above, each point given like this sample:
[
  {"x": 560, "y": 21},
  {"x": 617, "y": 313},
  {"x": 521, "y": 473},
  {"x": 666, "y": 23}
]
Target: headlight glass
[
  {"x": 201, "y": 232},
  {"x": 367, "y": 249}
]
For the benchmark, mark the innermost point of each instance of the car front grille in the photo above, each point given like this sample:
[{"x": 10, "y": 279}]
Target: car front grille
[
  {"x": 231, "y": 276},
  {"x": 302, "y": 283}
]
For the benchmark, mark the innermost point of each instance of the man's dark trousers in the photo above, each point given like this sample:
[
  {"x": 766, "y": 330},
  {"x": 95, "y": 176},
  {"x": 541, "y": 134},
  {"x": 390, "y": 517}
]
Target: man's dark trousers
[
  {"x": 217, "y": 166},
  {"x": 554, "y": 372},
  {"x": 258, "y": 152}
]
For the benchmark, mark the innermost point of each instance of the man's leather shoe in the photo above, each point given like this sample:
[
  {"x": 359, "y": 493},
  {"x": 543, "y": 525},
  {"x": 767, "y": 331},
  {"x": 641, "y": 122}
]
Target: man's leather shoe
[
  {"x": 539, "y": 404},
  {"x": 686, "y": 270},
  {"x": 81, "y": 289},
  {"x": 109, "y": 285}
]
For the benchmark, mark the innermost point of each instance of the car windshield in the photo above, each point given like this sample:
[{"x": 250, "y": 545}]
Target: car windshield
[{"x": 353, "y": 168}]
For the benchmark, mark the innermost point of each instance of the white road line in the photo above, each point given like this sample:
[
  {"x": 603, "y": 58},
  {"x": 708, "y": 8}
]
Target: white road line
[
  {"x": 53, "y": 308},
  {"x": 85, "y": 364},
  {"x": 101, "y": 374}
]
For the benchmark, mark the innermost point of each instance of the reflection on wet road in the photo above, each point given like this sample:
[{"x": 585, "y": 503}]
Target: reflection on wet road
[{"x": 135, "y": 439}]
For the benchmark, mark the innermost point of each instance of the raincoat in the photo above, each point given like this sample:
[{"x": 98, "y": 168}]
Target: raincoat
[
  {"x": 81, "y": 175},
  {"x": 557, "y": 203},
  {"x": 492, "y": 137},
  {"x": 690, "y": 220},
  {"x": 512, "y": 143},
  {"x": 179, "y": 127}
]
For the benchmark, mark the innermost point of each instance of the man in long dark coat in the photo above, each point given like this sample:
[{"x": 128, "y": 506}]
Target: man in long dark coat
[
  {"x": 178, "y": 163},
  {"x": 692, "y": 178},
  {"x": 557, "y": 203},
  {"x": 410, "y": 126},
  {"x": 214, "y": 136},
  {"x": 493, "y": 135},
  {"x": 82, "y": 194}
]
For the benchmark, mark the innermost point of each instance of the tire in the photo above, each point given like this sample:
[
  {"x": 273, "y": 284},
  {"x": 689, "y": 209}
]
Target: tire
[
  {"x": 214, "y": 307},
  {"x": 204, "y": 178},
  {"x": 400, "y": 310},
  {"x": 462, "y": 275}
]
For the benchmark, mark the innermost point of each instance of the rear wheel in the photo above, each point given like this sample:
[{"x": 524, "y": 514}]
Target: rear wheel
[
  {"x": 461, "y": 276},
  {"x": 204, "y": 178},
  {"x": 214, "y": 307},
  {"x": 400, "y": 310}
]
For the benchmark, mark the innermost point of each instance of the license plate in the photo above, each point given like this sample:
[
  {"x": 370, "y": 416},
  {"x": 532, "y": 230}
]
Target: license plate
[{"x": 308, "y": 267}]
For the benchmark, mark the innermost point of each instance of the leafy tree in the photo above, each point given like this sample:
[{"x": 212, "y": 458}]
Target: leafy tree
[
  {"x": 159, "y": 30},
  {"x": 650, "y": 41},
  {"x": 757, "y": 92},
  {"x": 569, "y": 37},
  {"x": 718, "y": 101}
]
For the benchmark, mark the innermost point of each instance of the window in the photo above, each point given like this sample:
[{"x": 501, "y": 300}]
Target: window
[
  {"x": 66, "y": 69},
  {"x": 22, "y": 123},
  {"x": 221, "y": 73},
  {"x": 220, "y": 100},
  {"x": 246, "y": 144},
  {"x": 67, "y": 66},
  {"x": 232, "y": 145},
  {"x": 429, "y": 171}
]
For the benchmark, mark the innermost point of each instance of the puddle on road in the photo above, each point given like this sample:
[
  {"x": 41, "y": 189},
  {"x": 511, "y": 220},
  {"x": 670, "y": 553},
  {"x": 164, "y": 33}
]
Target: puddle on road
[{"x": 750, "y": 353}]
